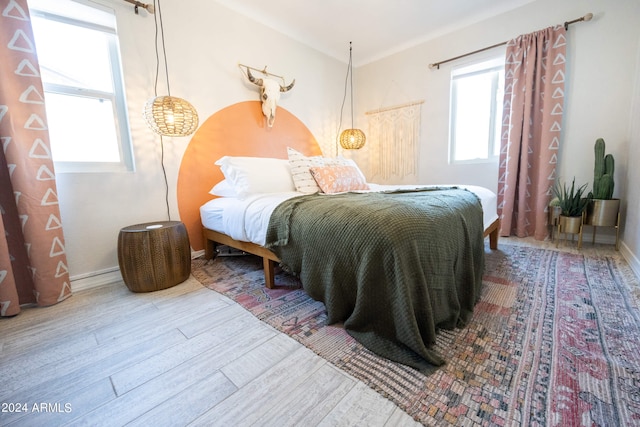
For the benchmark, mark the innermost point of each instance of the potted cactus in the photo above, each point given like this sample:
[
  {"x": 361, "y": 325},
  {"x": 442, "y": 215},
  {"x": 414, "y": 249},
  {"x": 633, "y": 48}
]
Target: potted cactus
[
  {"x": 572, "y": 203},
  {"x": 603, "y": 209}
]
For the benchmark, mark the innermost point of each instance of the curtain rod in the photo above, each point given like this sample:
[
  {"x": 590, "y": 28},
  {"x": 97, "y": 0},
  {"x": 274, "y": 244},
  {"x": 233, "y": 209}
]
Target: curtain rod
[
  {"x": 436, "y": 65},
  {"x": 395, "y": 107},
  {"x": 148, "y": 7}
]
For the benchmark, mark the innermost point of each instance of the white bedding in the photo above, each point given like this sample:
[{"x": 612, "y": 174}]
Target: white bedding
[{"x": 247, "y": 220}]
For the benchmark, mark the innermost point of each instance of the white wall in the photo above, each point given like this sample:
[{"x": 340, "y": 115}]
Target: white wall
[
  {"x": 601, "y": 70},
  {"x": 204, "y": 43},
  {"x": 631, "y": 236}
]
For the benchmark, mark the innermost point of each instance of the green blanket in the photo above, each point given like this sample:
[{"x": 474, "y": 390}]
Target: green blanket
[{"x": 394, "y": 267}]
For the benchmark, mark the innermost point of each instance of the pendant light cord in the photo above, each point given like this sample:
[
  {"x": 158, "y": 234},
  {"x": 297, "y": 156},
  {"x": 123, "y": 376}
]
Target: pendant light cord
[
  {"x": 166, "y": 182},
  {"x": 344, "y": 99},
  {"x": 158, "y": 17},
  {"x": 351, "y": 74},
  {"x": 164, "y": 50}
]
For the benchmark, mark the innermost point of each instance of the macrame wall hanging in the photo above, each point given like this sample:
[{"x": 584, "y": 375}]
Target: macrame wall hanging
[{"x": 394, "y": 133}]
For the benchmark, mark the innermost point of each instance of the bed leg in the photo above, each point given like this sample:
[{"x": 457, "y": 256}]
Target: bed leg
[
  {"x": 209, "y": 249},
  {"x": 269, "y": 272},
  {"x": 493, "y": 239}
]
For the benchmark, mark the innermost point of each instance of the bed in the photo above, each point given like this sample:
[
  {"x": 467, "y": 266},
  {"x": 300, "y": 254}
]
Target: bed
[
  {"x": 393, "y": 264},
  {"x": 400, "y": 327},
  {"x": 249, "y": 236},
  {"x": 254, "y": 186}
]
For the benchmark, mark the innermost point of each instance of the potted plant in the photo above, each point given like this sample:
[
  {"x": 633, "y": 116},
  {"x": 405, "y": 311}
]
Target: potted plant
[
  {"x": 572, "y": 203},
  {"x": 603, "y": 209}
]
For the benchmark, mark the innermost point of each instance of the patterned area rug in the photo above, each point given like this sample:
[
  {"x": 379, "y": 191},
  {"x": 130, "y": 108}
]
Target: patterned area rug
[{"x": 555, "y": 340}]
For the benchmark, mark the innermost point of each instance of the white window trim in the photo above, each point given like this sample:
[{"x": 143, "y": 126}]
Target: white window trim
[
  {"x": 118, "y": 99},
  {"x": 484, "y": 66}
]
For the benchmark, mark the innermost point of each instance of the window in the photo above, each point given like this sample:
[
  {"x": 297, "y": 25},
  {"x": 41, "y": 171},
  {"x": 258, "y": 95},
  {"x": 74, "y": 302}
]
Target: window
[
  {"x": 84, "y": 94},
  {"x": 476, "y": 112}
]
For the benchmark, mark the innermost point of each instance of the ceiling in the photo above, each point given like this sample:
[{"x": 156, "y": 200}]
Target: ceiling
[{"x": 377, "y": 28}]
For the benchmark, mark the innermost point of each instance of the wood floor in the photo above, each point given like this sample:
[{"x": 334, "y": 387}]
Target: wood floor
[{"x": 182, "y": 356}]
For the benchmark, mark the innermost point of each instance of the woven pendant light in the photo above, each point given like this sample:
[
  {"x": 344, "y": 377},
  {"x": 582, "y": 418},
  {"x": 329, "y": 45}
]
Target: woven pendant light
[
  {"x": 170, "y": 116},
  {"x": 351, "y": 139}
]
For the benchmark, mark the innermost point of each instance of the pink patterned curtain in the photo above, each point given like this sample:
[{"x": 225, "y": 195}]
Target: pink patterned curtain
[
  {"x": 33, "y": 262},
  {"x": 532, "y": 119}
]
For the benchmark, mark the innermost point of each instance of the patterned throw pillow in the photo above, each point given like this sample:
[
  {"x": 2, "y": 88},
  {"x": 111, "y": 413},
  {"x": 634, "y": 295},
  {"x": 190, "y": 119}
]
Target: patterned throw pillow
[
  {"x": 300, "y": 165},
  {"x": 338, "y": 179}
]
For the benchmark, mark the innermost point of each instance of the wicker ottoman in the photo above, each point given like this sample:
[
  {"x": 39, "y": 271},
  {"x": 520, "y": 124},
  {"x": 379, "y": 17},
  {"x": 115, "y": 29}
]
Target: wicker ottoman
[{"x": 154, "y": 255}]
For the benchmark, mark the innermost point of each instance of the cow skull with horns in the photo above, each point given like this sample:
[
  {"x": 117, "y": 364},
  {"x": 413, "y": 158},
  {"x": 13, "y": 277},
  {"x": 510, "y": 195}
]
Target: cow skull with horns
[{"x": 270, "y": 94}]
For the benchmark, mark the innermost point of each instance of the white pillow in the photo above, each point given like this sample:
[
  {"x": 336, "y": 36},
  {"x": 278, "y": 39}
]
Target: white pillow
[
  {"x": 301, "y": 164},
  {"x": 251, "y": 175},
  {"x": 223, "y": 189}
]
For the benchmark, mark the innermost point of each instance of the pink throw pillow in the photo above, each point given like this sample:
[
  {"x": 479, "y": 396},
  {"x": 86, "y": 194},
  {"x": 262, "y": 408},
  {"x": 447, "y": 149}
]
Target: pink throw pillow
[{"x": 338, "y": 179}]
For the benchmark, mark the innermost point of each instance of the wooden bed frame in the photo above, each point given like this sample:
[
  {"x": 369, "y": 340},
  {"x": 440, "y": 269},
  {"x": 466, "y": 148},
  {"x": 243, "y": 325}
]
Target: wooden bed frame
[{"x": 269, "y": 259}]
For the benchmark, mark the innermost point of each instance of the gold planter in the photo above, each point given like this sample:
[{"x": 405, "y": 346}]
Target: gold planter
[
  {"x": 604, "y": 213},
  {"x": 571, "y": 225}
]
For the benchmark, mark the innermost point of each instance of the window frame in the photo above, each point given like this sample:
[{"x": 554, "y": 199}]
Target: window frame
[
  {"x": 496, "y": 67},
  {"x": 117, "y": 97}
]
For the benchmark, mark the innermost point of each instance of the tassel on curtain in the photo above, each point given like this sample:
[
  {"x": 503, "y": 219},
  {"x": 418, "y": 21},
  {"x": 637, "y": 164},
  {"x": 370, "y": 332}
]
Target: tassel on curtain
[
  {"x": 33, "y": 263},
  {"x": 532, "y": 122}
]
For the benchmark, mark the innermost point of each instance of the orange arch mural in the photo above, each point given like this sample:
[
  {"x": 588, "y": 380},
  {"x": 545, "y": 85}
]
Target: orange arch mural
[{"x": 237, "y": 130}]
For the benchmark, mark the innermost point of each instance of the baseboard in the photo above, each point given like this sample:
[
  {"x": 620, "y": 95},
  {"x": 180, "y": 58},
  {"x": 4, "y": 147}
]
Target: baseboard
[
  {"x": 107, "y": 276},
  {"x": 196, "y": 254},
  {"x": 82, "y": 282},
  {"x": 631, "y": 258},
  {"x": 604, "y": 235},
  {"x": 608, "y": 237}
]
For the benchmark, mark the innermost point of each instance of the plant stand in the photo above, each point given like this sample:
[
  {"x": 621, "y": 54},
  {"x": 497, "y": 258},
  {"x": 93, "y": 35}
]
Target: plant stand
[
  {"x": 571, "y": 225},
  {"x": 554, "y": 219},
  {"x": 616, "y": 226}
]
